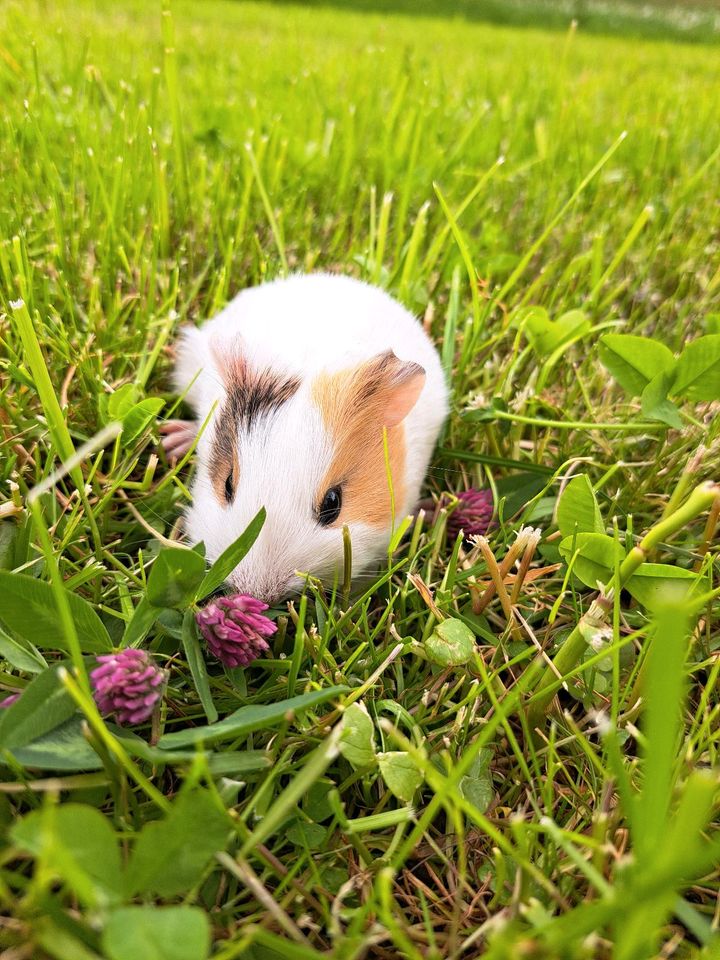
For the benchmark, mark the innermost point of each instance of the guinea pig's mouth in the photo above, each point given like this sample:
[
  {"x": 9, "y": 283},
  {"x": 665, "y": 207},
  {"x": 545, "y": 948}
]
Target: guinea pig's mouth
[{"x": 269, "y": 590}]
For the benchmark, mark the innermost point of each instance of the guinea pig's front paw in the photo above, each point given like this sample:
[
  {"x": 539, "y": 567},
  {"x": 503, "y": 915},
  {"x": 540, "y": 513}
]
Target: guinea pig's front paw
[{"x": 177, "y": 436}]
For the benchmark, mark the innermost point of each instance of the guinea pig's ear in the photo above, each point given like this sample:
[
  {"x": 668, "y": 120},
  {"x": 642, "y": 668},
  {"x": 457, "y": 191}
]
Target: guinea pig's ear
[
  {"x": 398, "y": 385},
  {"x": 229, "y": 359}
]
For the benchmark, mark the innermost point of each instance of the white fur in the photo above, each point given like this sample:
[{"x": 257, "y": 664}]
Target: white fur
[{"x": 303, "y": 325}]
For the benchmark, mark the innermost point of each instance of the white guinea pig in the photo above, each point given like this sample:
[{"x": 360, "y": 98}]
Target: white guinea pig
[{"x": 301, "y": 376}]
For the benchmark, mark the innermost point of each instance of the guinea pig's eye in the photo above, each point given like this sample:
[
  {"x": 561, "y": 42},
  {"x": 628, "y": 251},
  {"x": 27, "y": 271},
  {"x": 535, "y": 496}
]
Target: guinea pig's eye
[
  {"x": 330, "y": 507},
  {"x": 229, "y": 487}
]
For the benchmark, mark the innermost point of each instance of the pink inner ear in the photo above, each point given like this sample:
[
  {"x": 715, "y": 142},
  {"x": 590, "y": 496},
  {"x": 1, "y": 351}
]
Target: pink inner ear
[
  {"x": 229, "y": 360},
  {"x": 403, "y": 396}
]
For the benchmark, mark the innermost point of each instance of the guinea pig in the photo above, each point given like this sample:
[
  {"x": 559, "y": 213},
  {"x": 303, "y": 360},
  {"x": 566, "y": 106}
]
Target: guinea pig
[{"x": 300, "y": 379}]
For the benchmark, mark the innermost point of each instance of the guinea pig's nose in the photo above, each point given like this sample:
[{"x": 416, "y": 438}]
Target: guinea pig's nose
[
  {"x": 268, "y": 590},
  {"x": 267, "y": 596}
]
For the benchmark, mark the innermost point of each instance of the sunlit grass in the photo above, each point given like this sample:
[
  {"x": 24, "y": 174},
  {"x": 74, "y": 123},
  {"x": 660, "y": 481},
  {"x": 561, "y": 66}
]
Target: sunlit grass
[{"x": 151, "y": 167}]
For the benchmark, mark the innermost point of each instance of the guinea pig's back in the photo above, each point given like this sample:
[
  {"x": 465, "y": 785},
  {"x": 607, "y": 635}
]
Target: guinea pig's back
[{"x": 319, "y": 321}]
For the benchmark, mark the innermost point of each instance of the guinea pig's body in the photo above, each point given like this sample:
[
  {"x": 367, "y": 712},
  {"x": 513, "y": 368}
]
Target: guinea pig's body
[{"x": 301, "y": 378}]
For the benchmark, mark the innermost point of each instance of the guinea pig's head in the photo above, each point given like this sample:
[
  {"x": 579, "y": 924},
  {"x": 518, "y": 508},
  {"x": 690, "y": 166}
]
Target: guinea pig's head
[{"x": 311, "y": 451}]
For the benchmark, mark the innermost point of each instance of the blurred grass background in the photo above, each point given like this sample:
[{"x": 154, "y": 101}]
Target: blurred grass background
[{"x": 693, "y": 20}]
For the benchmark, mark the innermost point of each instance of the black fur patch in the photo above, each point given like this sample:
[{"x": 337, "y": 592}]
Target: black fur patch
[
  {"x": 257, "y": 395},
  {"x": 250, "y": 397}
]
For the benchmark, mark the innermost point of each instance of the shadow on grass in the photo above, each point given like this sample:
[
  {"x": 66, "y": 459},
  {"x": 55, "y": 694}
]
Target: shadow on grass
[{"x": 663, "y": 20}]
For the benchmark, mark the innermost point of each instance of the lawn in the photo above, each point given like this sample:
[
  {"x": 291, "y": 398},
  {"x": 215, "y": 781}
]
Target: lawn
[{"x": 504, "y": 747}]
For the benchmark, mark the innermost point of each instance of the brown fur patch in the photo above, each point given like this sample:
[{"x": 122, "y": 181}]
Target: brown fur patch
[
  {"x": 356, "y": 405},
  {"x": 251, "y": 394},
  {"x": 224, "y": 456}
]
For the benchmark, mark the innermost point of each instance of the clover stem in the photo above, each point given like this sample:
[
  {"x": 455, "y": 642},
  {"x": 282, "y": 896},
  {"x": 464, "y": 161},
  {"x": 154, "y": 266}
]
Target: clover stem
[{"x": 703, "y": 497}]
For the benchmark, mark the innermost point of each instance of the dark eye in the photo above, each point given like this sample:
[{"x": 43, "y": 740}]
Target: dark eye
[
  {"x": 330, "y": 507},
  {"x": 229, "y": 488}
]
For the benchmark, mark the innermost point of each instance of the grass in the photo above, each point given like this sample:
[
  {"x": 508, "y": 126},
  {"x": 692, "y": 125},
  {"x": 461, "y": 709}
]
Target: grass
[
  {"x": 152, "y": 166},
  {"x": 696, "y": 21}
]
